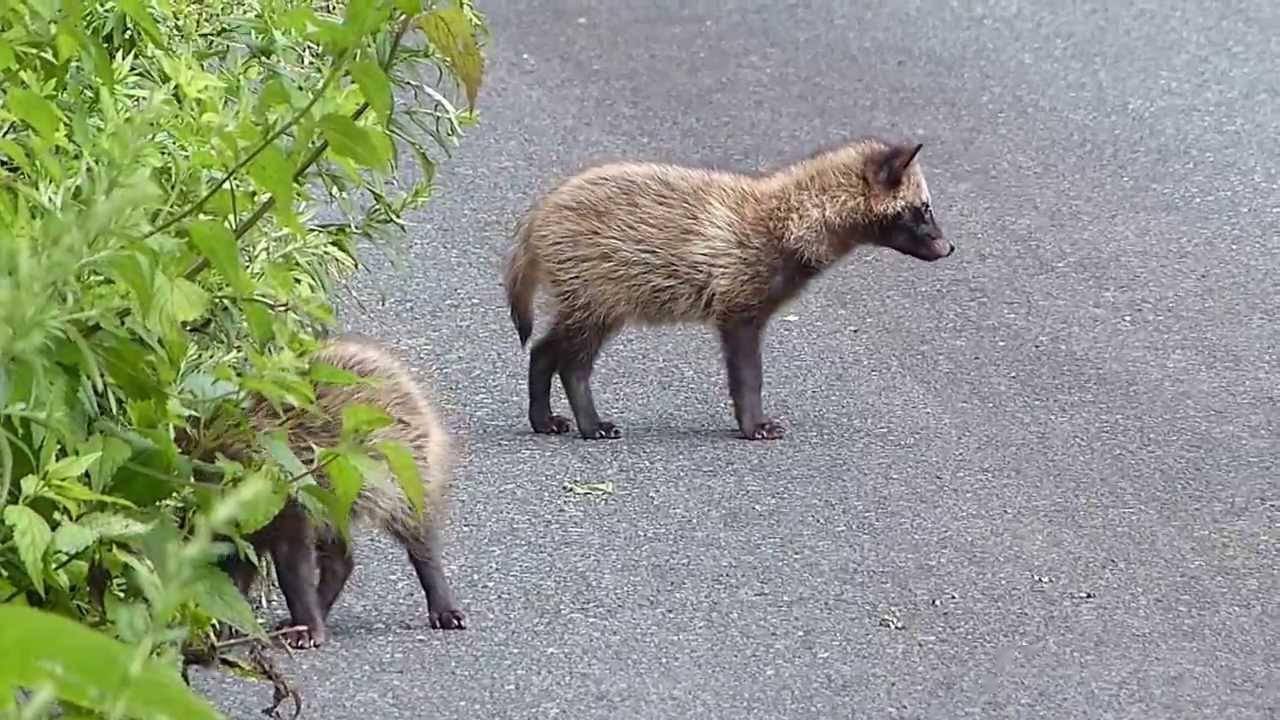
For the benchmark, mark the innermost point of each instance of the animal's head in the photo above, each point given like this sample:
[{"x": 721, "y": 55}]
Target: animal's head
[{"x": 900, "y": 204}]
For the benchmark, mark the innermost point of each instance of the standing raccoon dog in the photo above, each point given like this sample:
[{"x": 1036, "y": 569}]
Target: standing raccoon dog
[
  {"x": 312, "y": 562},
  {"x": 656, "y": 244}
]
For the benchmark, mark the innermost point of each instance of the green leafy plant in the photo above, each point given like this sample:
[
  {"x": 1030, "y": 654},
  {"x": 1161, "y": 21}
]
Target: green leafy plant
[{"x": 164, "y": 169}]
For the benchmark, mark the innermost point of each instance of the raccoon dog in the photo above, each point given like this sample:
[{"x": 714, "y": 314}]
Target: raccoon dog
[
  {"x": 655, "y": 244},
  {"x": 313, "y": 563}
]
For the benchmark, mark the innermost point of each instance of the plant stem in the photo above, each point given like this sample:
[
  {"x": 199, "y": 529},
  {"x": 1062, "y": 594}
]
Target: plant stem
[
  {"x": 266, "y": 142},
  {"x": 247, "y": 224}
]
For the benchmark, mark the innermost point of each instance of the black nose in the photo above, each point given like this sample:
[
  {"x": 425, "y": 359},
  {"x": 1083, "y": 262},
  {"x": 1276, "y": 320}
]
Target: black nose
[{"x": 951, "y": 249}]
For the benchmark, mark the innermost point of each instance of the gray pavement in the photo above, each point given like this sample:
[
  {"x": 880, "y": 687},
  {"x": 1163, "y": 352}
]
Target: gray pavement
[{"x": 1038, "y": 479}]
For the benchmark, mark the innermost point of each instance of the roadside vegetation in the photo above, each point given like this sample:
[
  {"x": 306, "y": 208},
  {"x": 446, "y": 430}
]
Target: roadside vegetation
[{"x": 183, "y": 183}]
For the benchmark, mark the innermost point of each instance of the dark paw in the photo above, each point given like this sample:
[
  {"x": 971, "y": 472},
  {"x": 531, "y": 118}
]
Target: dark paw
[
  {"x": 552, "y": 425},
  {"x": 447, "y": 620},
  {"x": 767, "y": 430},
  {"x": 603, "y": 431},
  {"x": 304, "y": 638}
]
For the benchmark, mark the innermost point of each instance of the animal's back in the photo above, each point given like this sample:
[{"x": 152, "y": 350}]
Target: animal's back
[
  {"x": 416, "y": 423},
  {"x": 645, "y": 242}
]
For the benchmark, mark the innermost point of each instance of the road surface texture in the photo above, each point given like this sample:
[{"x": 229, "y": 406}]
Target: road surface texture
[{"x": 1036, "y": 479}]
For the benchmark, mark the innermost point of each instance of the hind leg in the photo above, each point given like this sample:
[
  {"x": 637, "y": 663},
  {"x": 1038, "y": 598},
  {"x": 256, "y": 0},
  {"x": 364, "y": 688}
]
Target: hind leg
[
  {"x": 543, "y": 360},
  {"x": 579, "y": 347},
  {"x": 424, "y": 554},
  {"x": 336, "y": 563}
]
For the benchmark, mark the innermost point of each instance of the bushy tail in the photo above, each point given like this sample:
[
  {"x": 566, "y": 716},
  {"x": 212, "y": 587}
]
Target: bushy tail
[{"x": 521, "y": 281}]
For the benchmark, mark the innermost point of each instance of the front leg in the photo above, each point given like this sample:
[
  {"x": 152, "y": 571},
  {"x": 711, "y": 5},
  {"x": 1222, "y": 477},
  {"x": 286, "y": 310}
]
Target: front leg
[
  {"x": 740, "y": 340},
  {"x": 293, "y": 552}
]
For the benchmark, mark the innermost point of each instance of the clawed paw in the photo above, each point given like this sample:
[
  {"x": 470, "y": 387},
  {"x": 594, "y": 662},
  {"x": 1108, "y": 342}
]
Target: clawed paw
[
  {"x": 603, "y": 431},
  {"x": 553, "y": 425},
  {"x": 303, "y": 638},
  {"x": 447, "y": 620},
  {"x": 767, "y": 430}
]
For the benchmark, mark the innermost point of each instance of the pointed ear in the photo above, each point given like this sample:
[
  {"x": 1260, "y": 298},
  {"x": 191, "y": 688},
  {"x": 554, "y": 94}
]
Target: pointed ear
[{"x": 890, "y": 166}]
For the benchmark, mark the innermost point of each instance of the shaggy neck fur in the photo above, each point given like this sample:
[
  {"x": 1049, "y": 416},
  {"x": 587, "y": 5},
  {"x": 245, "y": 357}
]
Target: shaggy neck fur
[{"x": 821, "y": 208}]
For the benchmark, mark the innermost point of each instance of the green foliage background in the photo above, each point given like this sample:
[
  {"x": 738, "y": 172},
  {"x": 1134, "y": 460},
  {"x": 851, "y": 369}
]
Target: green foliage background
[{"x": 162, "y": 166}]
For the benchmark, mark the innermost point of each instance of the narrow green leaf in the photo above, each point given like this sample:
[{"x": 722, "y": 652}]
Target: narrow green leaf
[
  {"x": 277, "y": 446},
  {"x": 140, "y": 15},
  {"x": 15, "y": 153},
  {"x": 405, "y": 468},
  {"x": 375, "y": 87},
  {"x": 352, "y": 141},
  {"x": 32, "y": 535},
  {"x": 79, "y": 492},
  {"x": 113, "y": 527},
  {"x": 218, "y": 596},
  {"x": 218, "y": 246},
  {"x": 35, "y": 111},
  {"x": 450, "y": 32},
  {"x": 87, "y": 668},
  {"x": 72, "y": 466},
  {"x": 328, "y": 374}
]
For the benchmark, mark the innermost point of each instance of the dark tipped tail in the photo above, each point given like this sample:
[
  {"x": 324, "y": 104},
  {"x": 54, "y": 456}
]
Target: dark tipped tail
[{"x": 521, "y": 281}]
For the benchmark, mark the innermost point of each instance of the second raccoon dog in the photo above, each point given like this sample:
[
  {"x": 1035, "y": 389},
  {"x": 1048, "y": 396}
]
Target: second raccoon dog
[
  {"x": 652, "y": 243},
  {"x": 313, "y": 563}
]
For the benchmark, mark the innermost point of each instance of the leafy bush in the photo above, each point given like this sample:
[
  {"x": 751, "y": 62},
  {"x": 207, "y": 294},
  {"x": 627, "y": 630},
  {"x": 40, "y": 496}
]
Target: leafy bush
[{"x": 163, "y": 164}]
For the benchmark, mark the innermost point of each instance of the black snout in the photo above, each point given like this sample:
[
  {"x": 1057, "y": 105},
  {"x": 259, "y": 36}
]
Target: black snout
[{"x": 951, "y": 249}]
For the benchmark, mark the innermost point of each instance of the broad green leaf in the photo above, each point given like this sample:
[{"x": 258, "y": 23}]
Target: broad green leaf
[
  {"x": 256, "y": 515},
  {"x": 110, "y": 526},
  {"x": 188, "y": 300},
  {"x": 345, "y": 481},
  {"x": 127, "y": 366},
  {"x": 450, "y": 32},
  {"x": 363, "y": 17},
  {"x": 218, "y": 596},
  {"x": 218, "y": 246},
  {"x": 261, "y": 324},
  {"x": 406, "y": 470},
  {"x": 352, "y": 141},
  {"x": 70, "y": 538},
  {"x": 73, "y": 466},
  {"x": 361, "y": 418},
  {"x": 273, "y": 172},
  {"x": 114, "y": 454},
  {"x": 31, "y": 534},
  {"x": 134, "y": 270},
  {"x": 140, "y": 484},
  {"x": 87, "y": 668},
  {"x": 375, "y": 87},
  {"x": 130, "y": 618},
  {"x": 35, "y": 111},
  {"x": 409, "y": 7}
]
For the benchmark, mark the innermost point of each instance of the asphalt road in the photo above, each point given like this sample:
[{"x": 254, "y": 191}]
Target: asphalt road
[{"x": 1040, "y": 478}]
